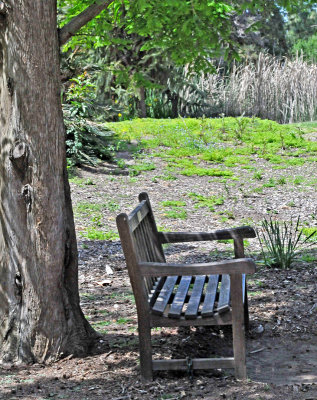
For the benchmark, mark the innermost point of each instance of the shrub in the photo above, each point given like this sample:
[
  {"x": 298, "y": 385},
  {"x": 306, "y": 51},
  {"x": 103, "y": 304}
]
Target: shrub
[
  {"x": 281, "y": 240},
  {"x": 86, "y": 142}
]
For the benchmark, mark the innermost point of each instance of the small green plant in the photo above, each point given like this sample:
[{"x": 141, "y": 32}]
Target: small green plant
[
  {"x": 94, "y": 233},
  {"x": 210, "y": 202},
  {"x": 85, "y": 208},
  {"x": 120, "y": 163},
  {"x": 279, "y": 242},
  {"x": 176, "y": 213},
  {"x": 241, "y": 126},
  {"x": 166, "y": 177},
  {"x": 281, "y": 181},
  {"x": 258, "y": 175},
  {"x": 111, "y": 205},
  {"x": 89, "y": 181},
  {"x": 171, "y": 203},
  {"x": 136, "y": 169},
  {"x": 270, "y": 183},
  {"x": 298, "y": 180},
  {"x": 308, "y": 258},
  {"x": 194, "y": 170}
]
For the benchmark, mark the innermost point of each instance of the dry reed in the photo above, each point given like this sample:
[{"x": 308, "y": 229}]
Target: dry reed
[{"x": 281, "y": 90}]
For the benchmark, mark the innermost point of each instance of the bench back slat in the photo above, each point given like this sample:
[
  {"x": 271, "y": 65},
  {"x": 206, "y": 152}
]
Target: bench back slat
[{"x": 144, "y": 245}]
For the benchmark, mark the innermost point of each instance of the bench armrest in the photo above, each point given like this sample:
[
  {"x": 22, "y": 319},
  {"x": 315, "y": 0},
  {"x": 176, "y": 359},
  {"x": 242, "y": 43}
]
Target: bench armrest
[
  {"x": 223, "y": 234},
  {"x": 237, "y": 266}
]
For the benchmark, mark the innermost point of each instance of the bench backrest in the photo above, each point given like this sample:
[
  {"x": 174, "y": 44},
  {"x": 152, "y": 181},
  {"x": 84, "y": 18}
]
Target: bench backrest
[{"x": 139, "y": 239}]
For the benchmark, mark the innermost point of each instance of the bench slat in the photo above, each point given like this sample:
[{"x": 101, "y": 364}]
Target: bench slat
[
  {"x": 195, "y": 298},
  {"x": 210, "y": 296},
  {"x": 224, "y": 295},
  {"x": 165, "y": 295},
  {"x": 180, "y": 296}
]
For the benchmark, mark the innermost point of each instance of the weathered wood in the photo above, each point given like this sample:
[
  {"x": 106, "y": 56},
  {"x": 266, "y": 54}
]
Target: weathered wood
[
  {"x": 156, "y": 289},
  {"x": 180, "y": 296},
  {"x": 238, "y": 326},
  {"x": 224, "y": 295},
  {"x": 165, "y": 295},
  {"x": 195, "y": 298},
  {"x": 223, "y": 234},
  {"x": 138, "y": 214},
  {"x": 239, "y": 266},
  {"x": 216, "y": 319},
  {"x": 197, "y": 363},
  {"x": 140, "y": 295},
  {"x": 239, "y": 253},
  {"x": 162, "y": 290},
  {"x": 210, "y": 296}
]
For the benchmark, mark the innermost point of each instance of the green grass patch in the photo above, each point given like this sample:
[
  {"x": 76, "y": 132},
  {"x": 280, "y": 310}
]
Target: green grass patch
[
  {"x": 176, "y": 213},
  {"x": 136, "y": 169},
  {"x": 310, "y": 232},
  {"x": 98, "y": 234},
  {"x": 271, "y": 183},
  {"x": 298, "y": 180},
  {"x": 179, "y": 138},
  {"x": 87, "y": 208},
  {"x": 209, "y": 202},
  {"x": 205, "y": 172},
  {"x": 175, "y": 203}
]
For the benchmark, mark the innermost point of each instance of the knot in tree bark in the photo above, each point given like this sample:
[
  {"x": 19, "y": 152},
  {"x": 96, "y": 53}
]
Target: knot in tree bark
[
  {"x": 19, "y": 155},
  {"x": 3, "y": 11},
  {"x": 3, "y": 8},
  {"x": 27, "y": 194}
]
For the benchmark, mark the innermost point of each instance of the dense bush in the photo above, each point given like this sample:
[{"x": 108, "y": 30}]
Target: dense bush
[{"x": 86, "y": 142}]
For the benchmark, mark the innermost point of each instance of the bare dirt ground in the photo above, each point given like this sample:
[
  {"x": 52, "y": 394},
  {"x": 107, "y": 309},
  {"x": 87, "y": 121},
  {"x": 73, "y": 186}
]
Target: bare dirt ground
[{"x": 282, "y": 344}]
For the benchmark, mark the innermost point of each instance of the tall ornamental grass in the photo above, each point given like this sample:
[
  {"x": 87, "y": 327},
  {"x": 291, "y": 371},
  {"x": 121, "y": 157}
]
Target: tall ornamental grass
[{"x": 278, "y": 89}]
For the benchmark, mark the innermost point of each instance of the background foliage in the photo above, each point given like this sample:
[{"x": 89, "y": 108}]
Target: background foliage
[{"x": 190, "y": 58}]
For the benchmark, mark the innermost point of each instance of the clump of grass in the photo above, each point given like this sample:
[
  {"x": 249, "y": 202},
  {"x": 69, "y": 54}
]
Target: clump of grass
[
  {"x": 136, "y": 169},
  {"x": 205, "y": 172},
  {"x": 281, "y": 181},
  {"x": 173, "y": 203},
  {"x": 94, "y": 233},
  {"x": 176, "y": 210},
  {"x": 298, "y": 180},
  {"x": 210, "y": 202},
  {"x": 280, "y": 242},
  {"x": 270, "y": 183},
  {"x": 258, "y": 175}
]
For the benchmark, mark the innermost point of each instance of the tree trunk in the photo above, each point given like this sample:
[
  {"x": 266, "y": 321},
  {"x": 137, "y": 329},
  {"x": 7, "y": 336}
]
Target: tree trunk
[
  {"x": 142, "y": 103},
  {"x": 39, "y": 303}
]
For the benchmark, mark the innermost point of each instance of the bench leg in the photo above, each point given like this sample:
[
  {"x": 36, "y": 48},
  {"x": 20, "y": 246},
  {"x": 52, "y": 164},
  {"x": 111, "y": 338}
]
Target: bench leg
[
  {"x": 238, "y": 326},
  {"x": 246, "y": 309},
  {"x": 145, "y": 346}
]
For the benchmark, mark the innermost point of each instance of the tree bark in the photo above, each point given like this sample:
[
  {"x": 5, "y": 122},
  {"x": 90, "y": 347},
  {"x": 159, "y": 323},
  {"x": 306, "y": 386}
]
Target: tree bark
[
  {"x": 142, "y": 103},
  {"x": 40, "y": 316}
]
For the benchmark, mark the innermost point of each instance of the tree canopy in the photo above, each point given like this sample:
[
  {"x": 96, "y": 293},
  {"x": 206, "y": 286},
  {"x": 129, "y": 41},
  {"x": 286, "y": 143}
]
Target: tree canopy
[{"x": 188, "y": 32}]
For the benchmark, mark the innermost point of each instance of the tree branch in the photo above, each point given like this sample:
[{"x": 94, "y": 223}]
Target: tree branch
[{"x": 73, "y": 26}]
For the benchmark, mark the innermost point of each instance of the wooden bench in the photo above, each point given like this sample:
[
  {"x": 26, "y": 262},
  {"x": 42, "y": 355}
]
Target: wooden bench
[{"x": 172, "y": 295}]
